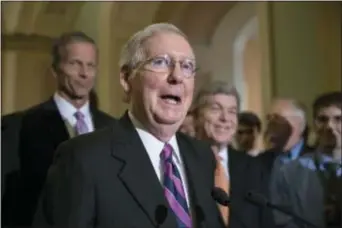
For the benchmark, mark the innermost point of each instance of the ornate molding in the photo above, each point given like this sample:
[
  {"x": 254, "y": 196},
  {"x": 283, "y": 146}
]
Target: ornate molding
[{"x": 24, "y": 42}]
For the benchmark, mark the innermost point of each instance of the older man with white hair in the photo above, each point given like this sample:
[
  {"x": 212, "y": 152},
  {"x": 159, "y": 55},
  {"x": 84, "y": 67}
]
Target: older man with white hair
[
  {"x": 285, "y": 135},
  {"x": 293, "y": 114},
  {"x": 139, "y": 172}
]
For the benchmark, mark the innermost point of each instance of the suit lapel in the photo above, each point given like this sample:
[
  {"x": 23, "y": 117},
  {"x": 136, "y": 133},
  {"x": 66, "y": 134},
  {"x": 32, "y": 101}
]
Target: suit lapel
[
  {"x": 54, "y": 122},
  {"x": 235, "y": 166},
  {"x": 238, "y": 167},
  {"x": 196, "y": 186},
  {"x": 98, "y": 121},
  {"x": 137, "y": 173}
]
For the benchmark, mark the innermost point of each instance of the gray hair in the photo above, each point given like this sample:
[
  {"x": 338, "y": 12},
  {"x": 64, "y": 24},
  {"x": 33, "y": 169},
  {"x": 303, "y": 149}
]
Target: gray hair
[
  {"x": 134, "y": 51},
  {"x": 215, "y": 87}
]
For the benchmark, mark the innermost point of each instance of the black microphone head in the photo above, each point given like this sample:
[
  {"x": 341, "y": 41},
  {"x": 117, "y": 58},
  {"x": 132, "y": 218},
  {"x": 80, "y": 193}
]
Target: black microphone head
[
  {"x": 220, "y": 196},
  {"x": 160, "y": 214},
  {"x": 257, "y": 199}
]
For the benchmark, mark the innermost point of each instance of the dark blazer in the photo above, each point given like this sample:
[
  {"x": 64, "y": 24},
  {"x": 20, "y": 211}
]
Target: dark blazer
[
  {"x": 299, "y": 189},
  {"x": 42, "y": 130},
  {"x": 245, "y": 176},
  {"x": 268, "y": 167},
  {"x": 10, "y": 126},
  {"x": 105, "y": 179}
]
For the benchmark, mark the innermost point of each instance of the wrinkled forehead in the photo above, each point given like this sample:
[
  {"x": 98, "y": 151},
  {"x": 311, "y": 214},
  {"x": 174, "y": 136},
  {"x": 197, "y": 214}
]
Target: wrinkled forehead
[{"x": 169, "y": 43}]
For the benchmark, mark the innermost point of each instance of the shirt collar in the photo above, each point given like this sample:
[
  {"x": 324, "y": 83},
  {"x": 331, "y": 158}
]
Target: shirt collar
[
  {"x": 154, "y": 144},
  {"x": 295, "y": 151},
  {"x": 66, "y": 109}
]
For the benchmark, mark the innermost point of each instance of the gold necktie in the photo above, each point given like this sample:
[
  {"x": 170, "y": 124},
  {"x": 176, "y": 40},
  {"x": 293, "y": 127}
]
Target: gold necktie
[{"x": 221, "y": 181}]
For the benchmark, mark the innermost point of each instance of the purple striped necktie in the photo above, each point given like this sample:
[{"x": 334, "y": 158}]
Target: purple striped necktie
[
  {"x": 81, "y": 126},
  {"x": 173, "y": 189}
]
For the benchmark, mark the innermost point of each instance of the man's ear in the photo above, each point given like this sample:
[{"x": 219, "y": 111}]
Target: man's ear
[
  {"x": 54, "y": 71},
  {"x": 124, "y": 81}
]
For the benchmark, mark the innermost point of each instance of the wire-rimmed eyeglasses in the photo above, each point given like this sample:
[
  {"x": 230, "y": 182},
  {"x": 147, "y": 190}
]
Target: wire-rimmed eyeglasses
[{"x": 166, "y": 64}]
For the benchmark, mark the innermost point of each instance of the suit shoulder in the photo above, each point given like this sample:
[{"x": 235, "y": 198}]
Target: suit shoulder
[
  {"x": 105, "y": 116},
  {"x": 36, "y": 108},
  {"x": 94, "y": 143},
  {"x": 34, "y": 112},
  {"x": 198, "y": 144}
]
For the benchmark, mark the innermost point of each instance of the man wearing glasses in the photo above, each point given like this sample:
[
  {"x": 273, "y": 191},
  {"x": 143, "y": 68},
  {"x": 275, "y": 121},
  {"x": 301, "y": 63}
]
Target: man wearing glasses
[{"x": 139, "y": 172}]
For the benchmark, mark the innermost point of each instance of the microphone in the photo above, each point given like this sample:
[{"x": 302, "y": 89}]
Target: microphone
[
  {"x": 160, "y": 214},
  {"x": 220, "y": 196},
  {"x": 260, "y": 200}
]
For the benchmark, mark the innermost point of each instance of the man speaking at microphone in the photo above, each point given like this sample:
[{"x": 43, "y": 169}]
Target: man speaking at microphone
[{"x": 139, "y": 172}]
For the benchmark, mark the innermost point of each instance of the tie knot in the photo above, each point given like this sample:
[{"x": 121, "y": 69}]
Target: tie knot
[
  {"x": 166, "y": 153},
  {"x": 79, "y": 115}
]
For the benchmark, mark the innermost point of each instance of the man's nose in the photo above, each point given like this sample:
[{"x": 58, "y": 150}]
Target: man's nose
[
  {"x": 83, "y": 72},
  {"x": 224, "y": 116},
  {"x": 176, "y": 74}
]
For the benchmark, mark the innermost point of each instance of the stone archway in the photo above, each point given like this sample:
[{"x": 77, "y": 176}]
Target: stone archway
[
  {"x": 222, "y": 48},
  {"x": 245, "y": 54},
  {"x": 27, "y": 36}
]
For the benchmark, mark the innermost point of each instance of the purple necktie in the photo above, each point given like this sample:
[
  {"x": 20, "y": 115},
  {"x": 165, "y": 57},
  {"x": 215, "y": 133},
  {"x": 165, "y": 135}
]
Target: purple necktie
[
  {"x": 81, "y": 126},
  {"x": 174, "y": 190}
]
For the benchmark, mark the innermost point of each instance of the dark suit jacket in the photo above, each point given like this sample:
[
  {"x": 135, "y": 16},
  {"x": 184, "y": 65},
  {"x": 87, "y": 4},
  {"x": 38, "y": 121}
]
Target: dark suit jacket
[
  {"x": 245, "y": 176},
  {"x": 267, "y": 164},
  {"x": 105, "y": 179},
  {"x": 42, "y": 130},
  {"x": 10, "y": 126},
  {"x": 299, "y": 189}
]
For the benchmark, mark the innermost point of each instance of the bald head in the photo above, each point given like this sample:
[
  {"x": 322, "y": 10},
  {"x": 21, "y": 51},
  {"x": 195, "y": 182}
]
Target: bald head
[
  {"x": 294, "y": 112},
  {"x": 289, "y": 108}
]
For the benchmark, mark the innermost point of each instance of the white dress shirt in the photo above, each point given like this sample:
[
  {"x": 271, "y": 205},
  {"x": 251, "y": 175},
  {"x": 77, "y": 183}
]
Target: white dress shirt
[
  {"x": 67, "y": 111},
  {"x": 223, "y": 154},
  {"x": 154, "y": 148}
]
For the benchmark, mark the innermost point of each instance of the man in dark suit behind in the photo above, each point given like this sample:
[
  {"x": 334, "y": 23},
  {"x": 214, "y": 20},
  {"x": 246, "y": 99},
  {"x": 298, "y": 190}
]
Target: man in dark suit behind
[
  {"x": 216, "y": 119},
  {"x": 138, "y": 172},
  {"x": 10, "y": 126},
  {"x": 311, "y": 186},
  {"x": 284, "y": 113},
  {"x": 66, "y": 114}
]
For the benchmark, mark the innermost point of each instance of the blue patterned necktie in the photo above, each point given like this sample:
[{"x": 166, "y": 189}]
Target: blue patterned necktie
[{"x": 174, "y": 190}]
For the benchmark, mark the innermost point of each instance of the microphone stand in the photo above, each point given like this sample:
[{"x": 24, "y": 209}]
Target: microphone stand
[
  {"x": 261, "y": 201},
  {"x": 301, "y": 220}
]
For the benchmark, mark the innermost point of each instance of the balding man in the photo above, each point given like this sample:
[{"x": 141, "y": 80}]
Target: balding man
[
  {"x": 139, "y": 172},
  {"x": 294, "y": 113},
  {"x": 287, "y": 123}
]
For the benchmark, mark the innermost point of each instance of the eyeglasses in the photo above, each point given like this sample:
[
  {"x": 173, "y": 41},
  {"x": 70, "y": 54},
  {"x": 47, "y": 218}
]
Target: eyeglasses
[{"x": 166, "y": 64}]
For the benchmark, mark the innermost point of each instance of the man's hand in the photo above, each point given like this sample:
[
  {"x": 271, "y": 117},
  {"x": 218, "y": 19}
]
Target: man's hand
[{"x": 278, "y": 132}]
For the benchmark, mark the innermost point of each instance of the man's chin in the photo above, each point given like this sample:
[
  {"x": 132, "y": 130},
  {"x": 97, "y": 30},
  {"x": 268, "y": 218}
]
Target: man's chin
[
  {"x": 222, "y": 141},
  {"x": 79, "y": 96},
  {"x": 167, "y": 120}
]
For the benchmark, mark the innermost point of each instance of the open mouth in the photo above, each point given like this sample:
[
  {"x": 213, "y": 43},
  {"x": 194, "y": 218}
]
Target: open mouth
[{"x": 171, "y": 99}]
